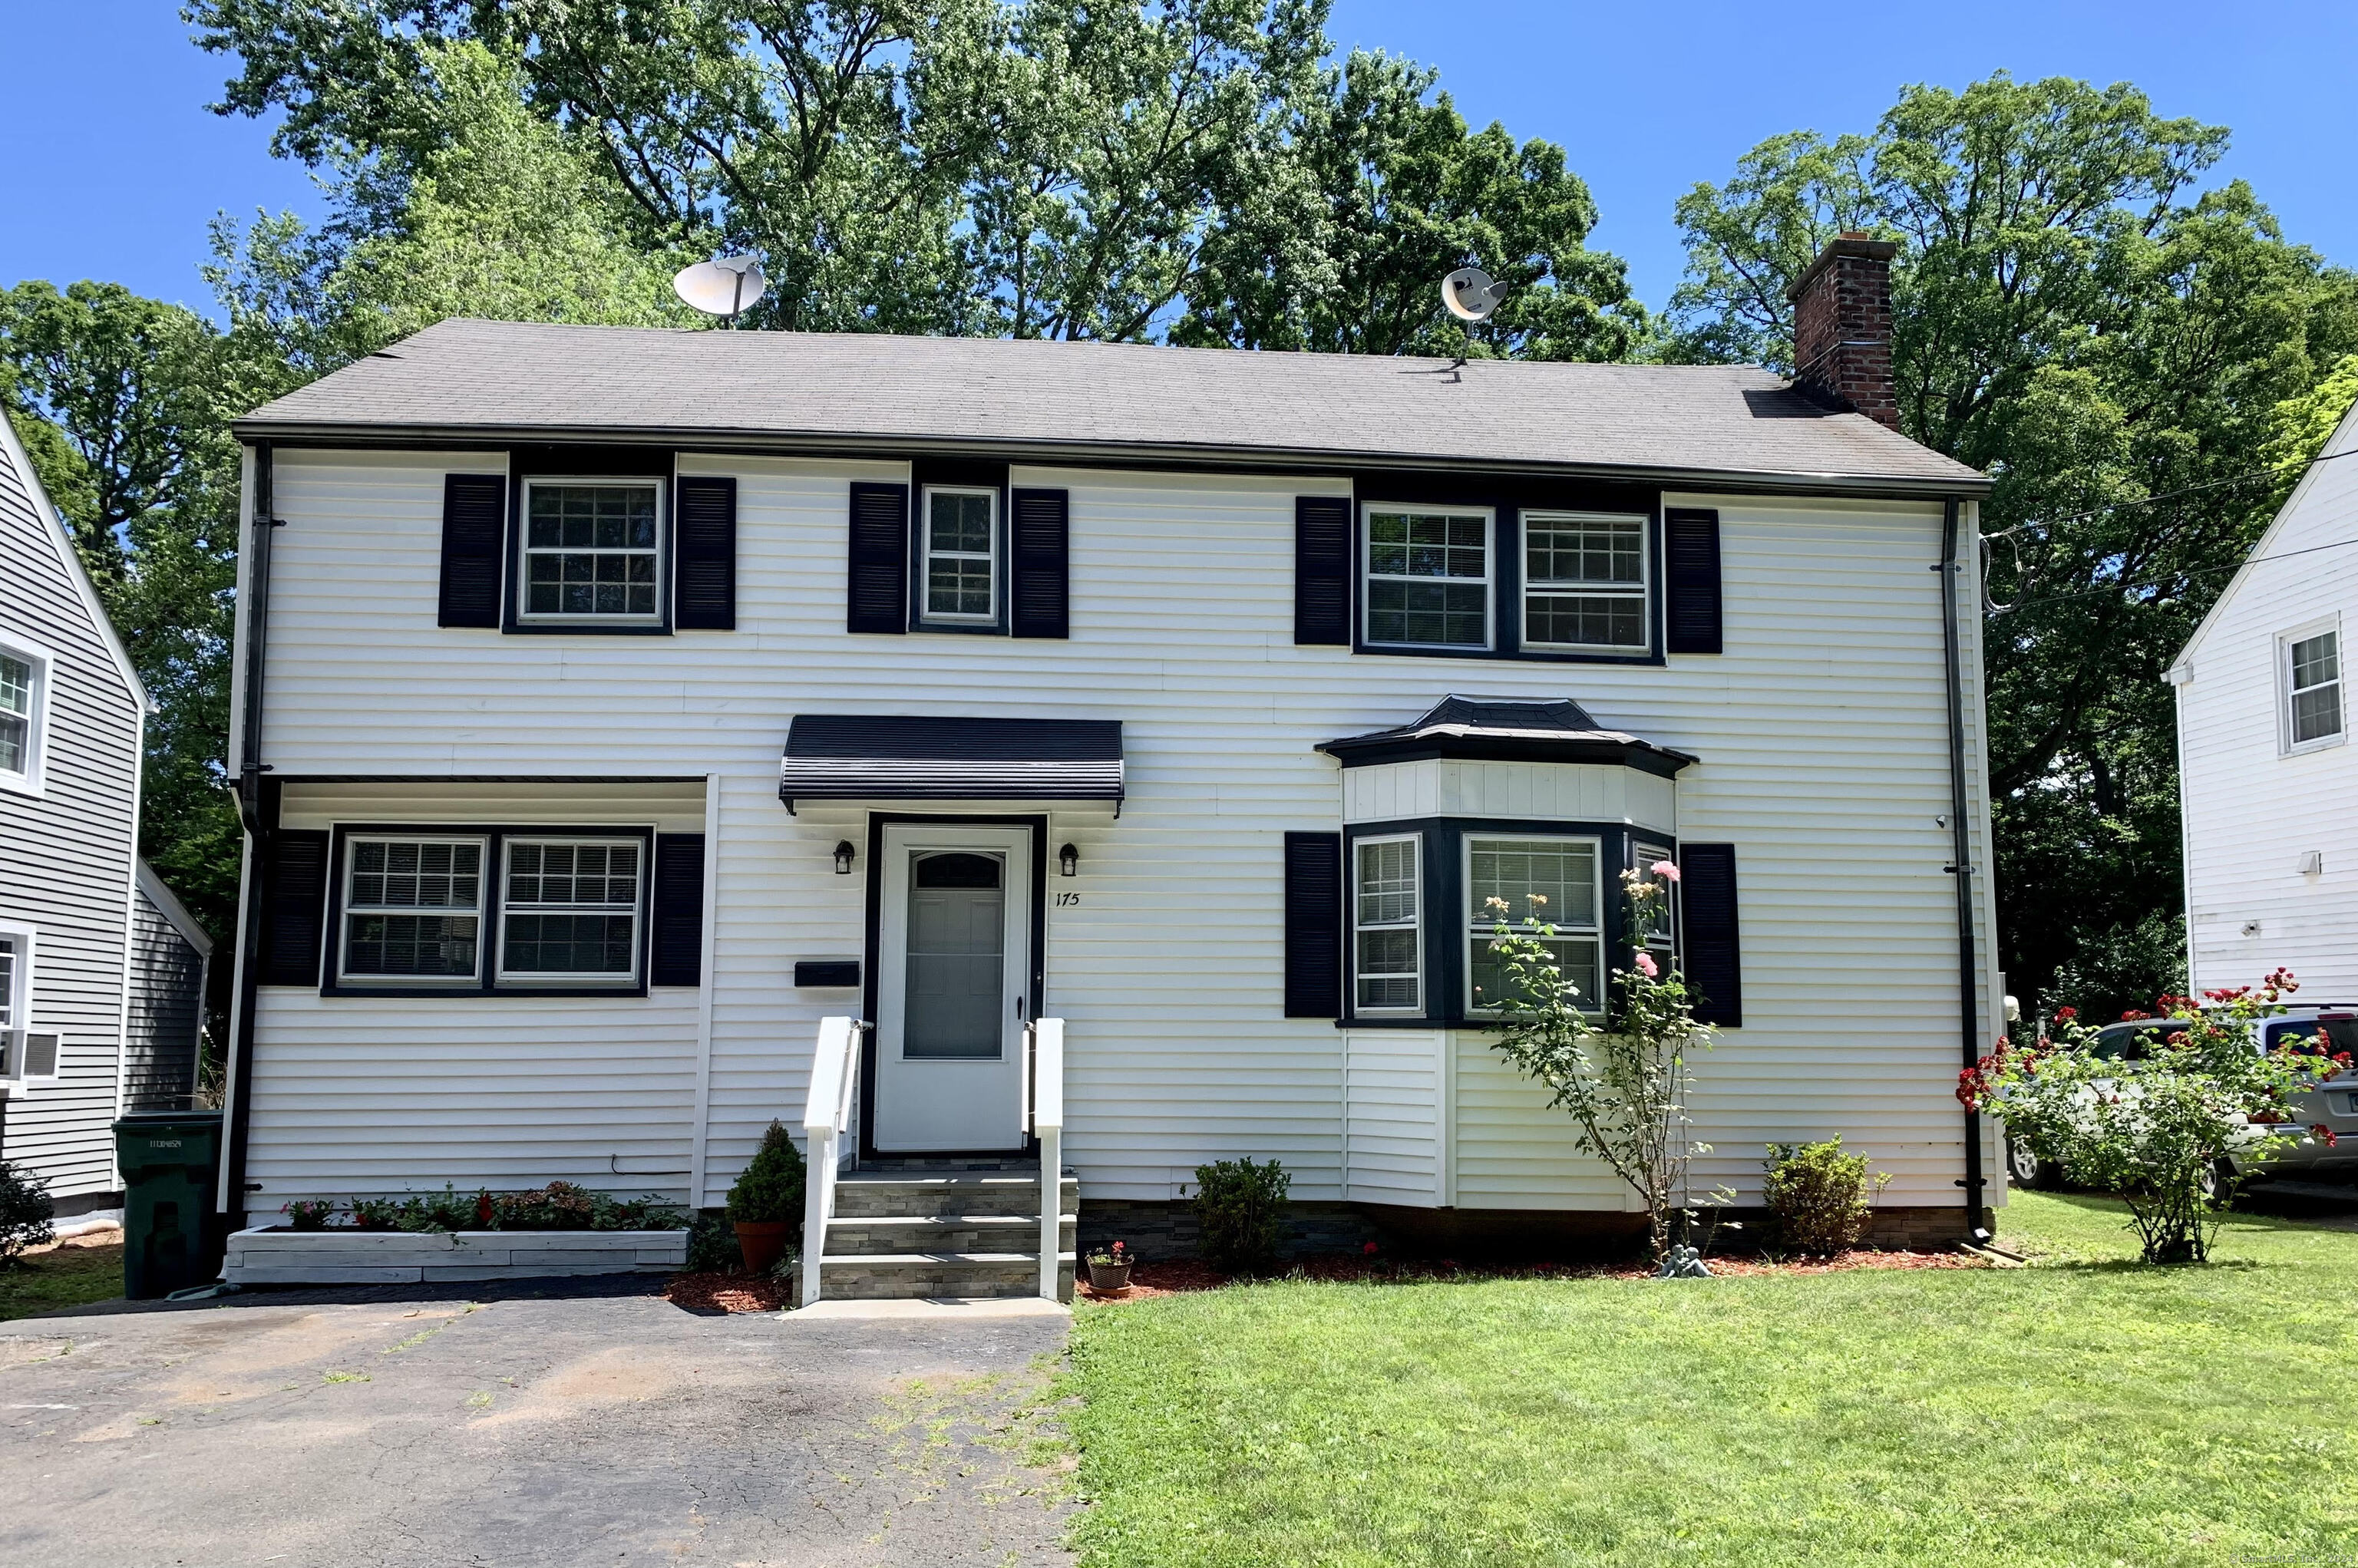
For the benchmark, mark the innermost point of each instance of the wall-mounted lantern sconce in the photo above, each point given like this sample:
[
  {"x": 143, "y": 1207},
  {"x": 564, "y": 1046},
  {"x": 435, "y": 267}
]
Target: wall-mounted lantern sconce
[
  {"x": 843, "y": 857},
  {"x": 1068, "y": 862}
]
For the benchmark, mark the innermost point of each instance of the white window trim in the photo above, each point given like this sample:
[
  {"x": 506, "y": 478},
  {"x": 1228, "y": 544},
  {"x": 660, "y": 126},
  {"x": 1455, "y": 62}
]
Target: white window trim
[
  {"x": 1488, "y": 931},
  {"x": 1487, "y": 581},
  {"x": 1416, "y": 927},
  {"x": 2286, "y": 744},
  {"x": 20, "y": 999},
  {"x": 348, "y": 978},
  {"x": 30, "y": 779},
  {"x": 506, "y": 979},
  {"x": 525, "y": 551},
  {"x": 1642, "y": 590},
  {"x": 926, "y": 614}
]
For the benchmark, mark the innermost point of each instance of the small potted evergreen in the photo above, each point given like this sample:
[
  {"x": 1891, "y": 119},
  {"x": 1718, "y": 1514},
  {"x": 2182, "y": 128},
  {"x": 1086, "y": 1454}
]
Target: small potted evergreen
[
  {"x": 766, "y": 1204},
  {"x": 1109, "y": 1267}
]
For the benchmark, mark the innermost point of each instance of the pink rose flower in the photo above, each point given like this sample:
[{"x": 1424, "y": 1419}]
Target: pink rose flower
[
  {"x": 1666, "y": 870},
  {"x": 1646, "y": 966}
]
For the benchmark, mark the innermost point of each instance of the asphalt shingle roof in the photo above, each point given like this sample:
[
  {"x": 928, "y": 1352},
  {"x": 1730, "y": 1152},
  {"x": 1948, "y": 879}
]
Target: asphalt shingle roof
[{"x": 508, "y": 381}]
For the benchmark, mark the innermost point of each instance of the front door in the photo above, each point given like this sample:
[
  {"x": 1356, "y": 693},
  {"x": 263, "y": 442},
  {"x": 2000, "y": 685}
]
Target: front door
[{"x": 952, "y": 988}]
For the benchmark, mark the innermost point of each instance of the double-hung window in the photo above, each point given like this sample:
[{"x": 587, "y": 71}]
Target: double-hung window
[
  {"x": 959, "y": 564},
  {"x": 592, "y": 552},
  {"x": 569, "y": 913},
  {"x": 1386, "y": 940},
  {"x": 1660, "y": 935},
  {"x": 1585, "y": 582},
  {"x": 1427, "y": 582},
  {"x": 1552, "y": 880},
  {"x": 16, "y": 976},
  {"x": 412, "y": 910},
  {"x": 24, "y": 682},
  {"x": 2312, "y": 677}
]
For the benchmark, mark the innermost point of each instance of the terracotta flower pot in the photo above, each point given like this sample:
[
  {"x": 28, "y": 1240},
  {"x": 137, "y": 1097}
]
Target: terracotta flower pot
[
  {"x": 762, "y": 1242},
  {"x": 1108, "y": 1276}
]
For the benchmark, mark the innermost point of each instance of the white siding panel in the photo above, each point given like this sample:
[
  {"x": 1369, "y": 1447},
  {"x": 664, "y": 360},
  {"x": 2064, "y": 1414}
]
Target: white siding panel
[{"x": 1395, "y": 1095}]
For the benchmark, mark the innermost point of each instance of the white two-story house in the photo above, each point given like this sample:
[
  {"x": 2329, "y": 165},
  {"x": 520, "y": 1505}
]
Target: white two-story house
[{"x": 617, "y": 706}]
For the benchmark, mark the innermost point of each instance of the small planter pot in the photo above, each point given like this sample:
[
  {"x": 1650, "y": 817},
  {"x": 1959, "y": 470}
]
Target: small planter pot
[
  {"x": 1108, "y": 1276},
  {"x": 762, "y": 1242}
]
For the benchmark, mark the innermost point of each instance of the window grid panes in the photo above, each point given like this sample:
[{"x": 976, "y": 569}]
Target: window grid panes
[
  {"x": 1386, "y": 965},
  {"x": 16, "y": 714},
  {"x": 591, "y": 551},
  {"x": 9, "y": 964},
  {"x": 1661, "y": 925},
  {"x": 1584, "y": 581},
  {"x": 2316, "y": 687},
  {"x": 412, "y": 908},
  {"x": 961, "y": 555},
  {"x": 571, "y": 909},
  {"x": 1554, "y": 880},
  {"x": 1428, "y": 582}
]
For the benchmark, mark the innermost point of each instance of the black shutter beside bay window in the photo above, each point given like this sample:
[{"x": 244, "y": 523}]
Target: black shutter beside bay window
[
  {"x": 705, "y": 555},
  {"x": 1041, "y": 554},
  {"x": 1314, "y": 925},
  {"x": 677, "y": 948},
  {"x": 877, "y": 596},
  {"x": 1691, "y": 546},
  {"x": 474, "y": 545},
  {"x": 1713, "y": 958},
  {"x": 1321, "y": 570},
  {"x": 294, "y": 893}
]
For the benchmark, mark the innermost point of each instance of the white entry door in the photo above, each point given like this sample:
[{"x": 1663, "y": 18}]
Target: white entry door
[{"x": 952, "y": 988}]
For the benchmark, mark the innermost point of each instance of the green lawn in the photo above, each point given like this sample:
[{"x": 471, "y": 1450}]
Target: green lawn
[
  {"x": 62, "y": 1277},
  {"x": 2084, "y": 1411}
]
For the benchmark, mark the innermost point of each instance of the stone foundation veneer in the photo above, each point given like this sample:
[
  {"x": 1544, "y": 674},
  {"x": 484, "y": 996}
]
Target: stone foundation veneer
[{"x": 274, "y": 1255}]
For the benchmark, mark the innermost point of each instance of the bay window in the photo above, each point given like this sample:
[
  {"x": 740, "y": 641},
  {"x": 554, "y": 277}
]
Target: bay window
[
  {"x": 1388, "y": 965},
  {"x": 1555, "y": 882}
]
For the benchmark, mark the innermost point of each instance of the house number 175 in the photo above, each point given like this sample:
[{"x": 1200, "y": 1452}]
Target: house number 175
[{"x": 1066, "y": 900}]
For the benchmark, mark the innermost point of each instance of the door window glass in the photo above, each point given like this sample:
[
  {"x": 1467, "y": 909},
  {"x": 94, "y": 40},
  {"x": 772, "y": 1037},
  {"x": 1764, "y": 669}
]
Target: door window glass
[{"x": 957, "y": 948}]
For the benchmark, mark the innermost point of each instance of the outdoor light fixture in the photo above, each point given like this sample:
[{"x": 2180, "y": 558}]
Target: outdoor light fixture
[
  {"x": 843, "y": 857},
  {"x": 1068, "y": 860}
]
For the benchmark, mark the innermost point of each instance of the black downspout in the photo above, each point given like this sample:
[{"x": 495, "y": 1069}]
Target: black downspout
[
  {"x": 1963, "y": 870},
  {"x": 258, "y": 823}
]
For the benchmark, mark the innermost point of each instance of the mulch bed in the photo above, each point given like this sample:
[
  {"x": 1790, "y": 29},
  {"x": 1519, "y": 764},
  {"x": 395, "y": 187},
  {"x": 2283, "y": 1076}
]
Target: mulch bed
[
  {"x": 1149, "y": 1281},
  {"x": 727, "y": 1292}
]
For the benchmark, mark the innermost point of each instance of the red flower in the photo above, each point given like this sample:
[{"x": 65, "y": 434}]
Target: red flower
[
  {"x": 2325, "y": 1135},
  {"x": 2134, "y": 1016},
  {"x": 2065, "y": 1014},
  {"x": 484, "y": 1210},
  {"x": 1370, "y": 1250}
]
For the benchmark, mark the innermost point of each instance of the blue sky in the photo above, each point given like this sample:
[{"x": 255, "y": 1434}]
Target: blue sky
[{"x": 110, "y": 167}]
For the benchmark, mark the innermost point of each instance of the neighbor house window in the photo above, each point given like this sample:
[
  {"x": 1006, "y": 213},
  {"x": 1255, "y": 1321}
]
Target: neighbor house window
[
  {"x": 413, "y": 909},
  {"x": 1584, "y": 581},
  {"x": 592, "y": 551},
  {"x": 1552, "y": 881},
  {"x": 24, "y": 679},
  {"x": 959, "y": 564},
  {"x": 2313, "y": 687},
  {"x": 1386, "y": 966},
  {"x": 15, "y": 979},
  {"x": 570, "y": 911},
  {"x": 1427, "y": 578}
]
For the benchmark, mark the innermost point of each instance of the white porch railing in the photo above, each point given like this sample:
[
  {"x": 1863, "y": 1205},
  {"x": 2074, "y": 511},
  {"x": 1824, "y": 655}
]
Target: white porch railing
[
  {"x": 1043, "y": 1117},
  {"x": 834, "y": 1080}
]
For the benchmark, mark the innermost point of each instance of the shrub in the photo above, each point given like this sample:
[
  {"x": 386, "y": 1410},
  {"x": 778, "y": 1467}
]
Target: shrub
[
  {"x": 1817, "y": 1196},
  {"x": 448, "y": 1212},
  {"x": 24, "y": 1213},
  {"x": 646, "y": 1212},
  {"x": 772, "y": 1187},
  {"x": 712, "y": 1246},
  {"x": 560, "y": 1205},
  {"x": 376, "y": 1213},
  {"x": 309, "y": 1214},
  {"x": 1240, "y": 1206}
]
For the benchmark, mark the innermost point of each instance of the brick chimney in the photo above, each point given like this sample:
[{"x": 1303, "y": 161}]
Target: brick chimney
[{"x": 1842, "y": 327}]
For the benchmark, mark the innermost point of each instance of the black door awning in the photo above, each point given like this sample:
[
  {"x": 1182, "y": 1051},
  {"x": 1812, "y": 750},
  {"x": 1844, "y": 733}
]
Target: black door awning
[{"x": 876, "y": 757}]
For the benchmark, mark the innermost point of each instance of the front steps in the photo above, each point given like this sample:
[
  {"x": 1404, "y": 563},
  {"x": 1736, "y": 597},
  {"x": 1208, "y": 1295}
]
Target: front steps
[{"x": 943, "y": 1230}]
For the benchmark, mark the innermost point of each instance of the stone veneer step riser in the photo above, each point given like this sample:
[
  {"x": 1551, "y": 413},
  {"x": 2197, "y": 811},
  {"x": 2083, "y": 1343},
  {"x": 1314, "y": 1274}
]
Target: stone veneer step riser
[
  {"x": 851, "y": 1279},
  {"x": 859, "y": 1198},
  {"x": 867, "y": 1238}
]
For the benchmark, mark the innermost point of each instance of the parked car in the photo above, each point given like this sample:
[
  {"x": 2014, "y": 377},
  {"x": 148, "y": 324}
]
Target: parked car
[{"x": 2332, "y": 1104}]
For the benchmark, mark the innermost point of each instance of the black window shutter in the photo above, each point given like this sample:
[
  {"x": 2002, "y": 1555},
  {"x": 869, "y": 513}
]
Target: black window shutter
[
  {"x": 1042, "y": 551},
  {"x": 1321, "y": 569},
  {"x": 705, "y": 555},
  {"x": 1314, "y": 925},
  {"x": 1691, "y": 546},
  {"x": 878, "y": 598},
  {"x": 294, "y": 895},
  {"x": 474, "y": 544},
  {"x": 1713, "y": 963},
  {"x": 678, "y": 946}
]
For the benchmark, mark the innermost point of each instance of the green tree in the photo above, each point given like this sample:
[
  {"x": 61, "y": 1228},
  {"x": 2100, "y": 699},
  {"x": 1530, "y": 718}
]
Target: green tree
[{"x": 2071, "y": 315}]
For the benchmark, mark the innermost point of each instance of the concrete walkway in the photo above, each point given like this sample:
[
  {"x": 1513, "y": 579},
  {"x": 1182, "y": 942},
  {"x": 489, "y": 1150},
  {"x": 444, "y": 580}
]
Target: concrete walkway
[{"x": 580, "y": 1422}]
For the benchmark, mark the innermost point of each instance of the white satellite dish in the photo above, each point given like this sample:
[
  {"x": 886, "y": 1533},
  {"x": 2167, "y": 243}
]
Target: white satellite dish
[
  {"x": 723, "y": 287},
  {"x": 1471, "y": 294}
]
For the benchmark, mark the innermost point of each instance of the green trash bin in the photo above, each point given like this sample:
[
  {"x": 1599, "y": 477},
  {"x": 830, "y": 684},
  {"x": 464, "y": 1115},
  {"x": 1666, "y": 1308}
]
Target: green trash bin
[{"x": 168, "y": 1161}]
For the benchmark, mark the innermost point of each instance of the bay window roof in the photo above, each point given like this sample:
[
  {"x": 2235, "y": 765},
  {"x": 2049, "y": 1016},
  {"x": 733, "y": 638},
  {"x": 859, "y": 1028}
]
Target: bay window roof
[{"x": 1497, "y": 729}]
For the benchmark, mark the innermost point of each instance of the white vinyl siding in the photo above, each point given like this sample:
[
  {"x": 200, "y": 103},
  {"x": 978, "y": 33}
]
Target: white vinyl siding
[
  {"x": 413, "y": 910},
  {"x": 1556, "y": 882},
  {"x": 1585, "y": 582},
  {"x": 2312, "y": 687},
  {"x": 960, "y": 561},
  {"x": 1426, "y": 577},
  {"x": 592, "y": 551},
  {"x": 1387, "y": 938},
  {"x": 569, "y": 913}
]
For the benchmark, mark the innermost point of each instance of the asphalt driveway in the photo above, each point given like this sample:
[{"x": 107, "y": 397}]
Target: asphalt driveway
[{"x": 594, "y": 1424}]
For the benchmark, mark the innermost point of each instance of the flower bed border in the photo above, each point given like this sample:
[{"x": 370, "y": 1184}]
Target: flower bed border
[{"x": 278, "y": 1255}]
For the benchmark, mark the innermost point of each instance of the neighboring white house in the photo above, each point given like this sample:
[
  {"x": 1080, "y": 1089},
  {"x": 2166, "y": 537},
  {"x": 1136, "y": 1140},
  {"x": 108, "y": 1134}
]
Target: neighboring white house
[
  {"x": 619, "y": 704},
  {"x": 2268, "y": 780}
]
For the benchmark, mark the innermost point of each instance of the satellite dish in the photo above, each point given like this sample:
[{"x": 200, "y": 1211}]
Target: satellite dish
[
  {"x": 723, "y": 287},
  {"x": 1471, "y": 294}
]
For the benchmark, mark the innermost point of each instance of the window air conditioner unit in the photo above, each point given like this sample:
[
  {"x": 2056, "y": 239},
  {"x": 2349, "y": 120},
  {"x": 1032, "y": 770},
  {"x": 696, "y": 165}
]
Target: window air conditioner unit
[{"x": 28, "y": 1056}]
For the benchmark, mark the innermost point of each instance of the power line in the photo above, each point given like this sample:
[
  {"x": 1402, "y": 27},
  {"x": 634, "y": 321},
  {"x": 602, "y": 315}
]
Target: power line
[
  {"x": 2190, "y": 571},
  {"x": 2170, "y": 494}
]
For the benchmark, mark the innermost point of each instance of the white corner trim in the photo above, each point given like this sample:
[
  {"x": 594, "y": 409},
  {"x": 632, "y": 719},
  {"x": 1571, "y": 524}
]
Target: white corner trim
[{"x": 173, "y": 910}]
